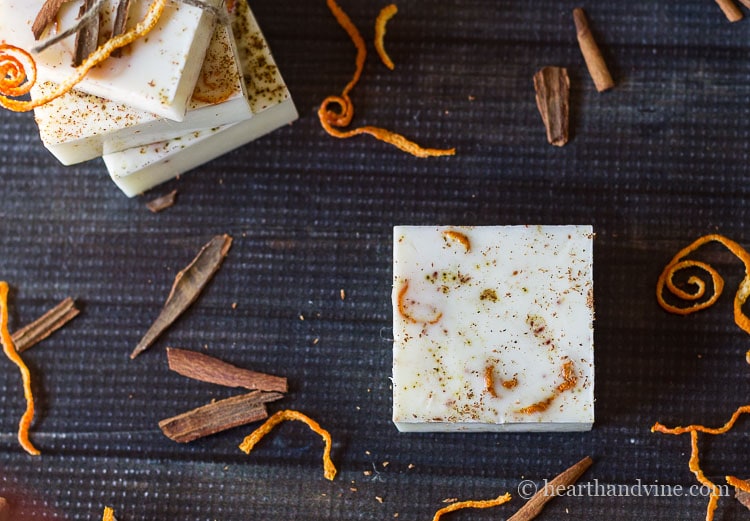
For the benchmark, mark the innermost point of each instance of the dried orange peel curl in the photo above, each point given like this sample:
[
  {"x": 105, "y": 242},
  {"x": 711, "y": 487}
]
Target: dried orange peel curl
[
  {"x": 17, "y": 80},
  {"x": 336, "y": 112},
  {"x": 329, "y": 470},
  {"x": 108, "y": 515},
  {"x": 10, "y": 351},
  {"x": 679, "y": 262},
  {"x": 694, "y": 462},
  {"x": 386, "y": 14},
  {"x": 486, "y": 503}
]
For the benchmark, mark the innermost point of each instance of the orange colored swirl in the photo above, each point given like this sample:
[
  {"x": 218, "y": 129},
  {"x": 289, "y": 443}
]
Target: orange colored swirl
[
  {"x": 698, "y": 287},
  {"x": 17, "y": 71}
]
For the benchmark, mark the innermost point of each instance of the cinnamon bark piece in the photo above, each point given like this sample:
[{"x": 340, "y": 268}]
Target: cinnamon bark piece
[
  {"x": 187, "y": 287},
  {"x": 46, "y": 16},
  {"x": 209, "y": 369},
  {"x": 218, "y": 416},
  {"x": 87, "y": 39},
  {"x": 44, "y": 326},
  {"x": 552, "y": 87}
]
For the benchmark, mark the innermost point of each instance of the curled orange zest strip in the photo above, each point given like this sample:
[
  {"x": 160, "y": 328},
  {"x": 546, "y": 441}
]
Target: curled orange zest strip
[
  {"x": 694, "y": 462},
  {"x": 487, "y": 503},
  {"x": 10, "y": 351},
  {"x": 14, "y": 89},
  {"x": 108, "y": 515},
  {"x": 459, "y": 237},
  {"x": 678, "y": 262},
  {"x": 408, "y": 316},
  {"x": 386, "y": 14},
  {"x": 341, "y": 116},
  {"x": 329, "y": 470}
]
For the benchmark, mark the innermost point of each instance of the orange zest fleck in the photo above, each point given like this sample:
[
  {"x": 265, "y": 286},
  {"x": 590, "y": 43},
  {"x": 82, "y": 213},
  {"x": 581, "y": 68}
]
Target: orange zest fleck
[
  {"x": 486, "y": 503},
  {"x": 458, "y": 237},
  {"x": 489, "y": 380},
  {"x": 10, "y": 351},
  {"x": 698, "y": 286},
  {"x": 401, "y": 306},
  {"x": 694, "y": 462},
  {"x": 569, "y": 381},
  {"x": 510, "y": 384},
  {"x": 108, "y": 515},
  {"x": 18, "y": 82},
  {"x": 384, "y": 16},
  {"x": 329, "y": 470},
  {"x": 336, "y": 112}
]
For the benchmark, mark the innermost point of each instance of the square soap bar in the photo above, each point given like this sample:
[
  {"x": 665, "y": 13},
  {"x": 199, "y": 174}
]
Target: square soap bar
[
  {"x": 138, "y": 169},
  {"x": 77, "y": 127},
  {"x": 154, "y": 74},
  {"x": 493, "y": 328}
]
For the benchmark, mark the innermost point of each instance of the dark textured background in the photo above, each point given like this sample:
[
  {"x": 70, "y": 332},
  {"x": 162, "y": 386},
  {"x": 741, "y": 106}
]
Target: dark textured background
[{"x": 653, "y": 164}]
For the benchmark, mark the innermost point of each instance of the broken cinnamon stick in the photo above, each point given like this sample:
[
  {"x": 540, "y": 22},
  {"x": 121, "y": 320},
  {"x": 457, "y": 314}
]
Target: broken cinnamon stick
[
  {"x": 209, "y": 369},
  {"x": 121, "y": 20},
  {"x": 163, "y": 202},
  {"x": 730, "y": 9},
  {"x": 742, "y": 496},
  {"x": 555, "y": 487},
  {"x": 552, "y": 87},
  {"x": 87, "y": 38},
  {"x": 4, "y": 509},
  {"x": 218, "y": 416},
  {"x": 45, "y": 325},
  {"x": 46, "y": 16},
  {"x": 591, "y": 54},
  {"x": 187, "y": 286}
]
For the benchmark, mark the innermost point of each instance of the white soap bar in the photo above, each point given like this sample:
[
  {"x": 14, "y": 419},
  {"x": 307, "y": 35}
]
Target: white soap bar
[
  {"x": 155, "y": 74},
  {"x": 138, "y": 169},
  {"x": 493, "y": 328},
  {"x": 77, "y": 127}
]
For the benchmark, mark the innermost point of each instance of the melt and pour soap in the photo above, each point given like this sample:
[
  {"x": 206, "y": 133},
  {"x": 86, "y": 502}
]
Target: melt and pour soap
[
  {"x": 155, "y": 74},
  {"x": 493, "y": 328},
  {"x": 137, "y": 169}
]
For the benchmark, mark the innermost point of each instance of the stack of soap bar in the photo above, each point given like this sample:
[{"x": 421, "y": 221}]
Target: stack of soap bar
[
  {"x": 156, "y": 111},
  {"x": 138, "y": 169},
  {"x": 77, "y": 127},
  {"x": 154, "y": 74},
  {"x": 493, "y": 328}
]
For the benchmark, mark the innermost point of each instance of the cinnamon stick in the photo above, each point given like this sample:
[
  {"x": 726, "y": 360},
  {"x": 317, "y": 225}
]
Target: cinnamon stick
[
  {"x": 45, "y": 325},
  {"x": 552, "y": 87},
  {"x": 187, "y": 286},
  {"x": 746, "y": 3},
  {"x": 218, "y": 416},
  {"x": 163, "y": 202},
  {"x": 45, "y": 16},
  {"x": 730, "y": 9},
  {"x": 87, "y": 38},
  {"x": 209, "y": 369},
  {"x": 121, "y": 20},
  {"x": 555, "y": 487},
  {"x": 591, "y": 53}
]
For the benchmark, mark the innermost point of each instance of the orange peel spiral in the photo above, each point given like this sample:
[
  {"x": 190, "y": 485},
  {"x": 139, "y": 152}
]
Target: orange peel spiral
[
  {"x": 697, "y": 286},
  {"x": 14, "y": 69},
  {"x": 17, "y": 71},
  {"x": 336, "y": 112}
]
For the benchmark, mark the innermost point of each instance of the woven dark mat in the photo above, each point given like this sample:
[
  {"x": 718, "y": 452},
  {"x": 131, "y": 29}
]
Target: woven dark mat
[{"x": 653, "y": 164}]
